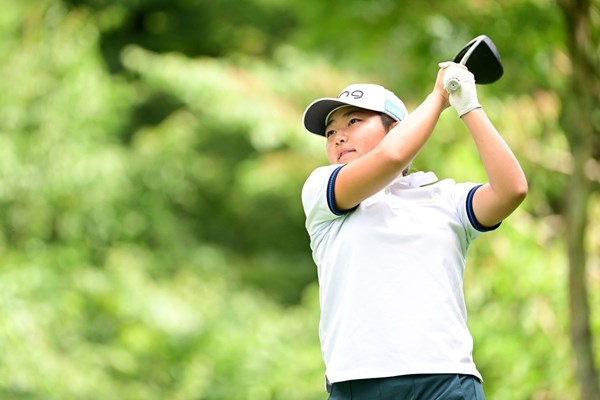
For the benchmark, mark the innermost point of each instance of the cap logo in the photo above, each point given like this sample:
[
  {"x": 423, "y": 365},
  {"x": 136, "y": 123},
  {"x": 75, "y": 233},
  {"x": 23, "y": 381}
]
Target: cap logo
[
  {"x": 395, "y": 110},
  {"x": 356, "y": 94}
]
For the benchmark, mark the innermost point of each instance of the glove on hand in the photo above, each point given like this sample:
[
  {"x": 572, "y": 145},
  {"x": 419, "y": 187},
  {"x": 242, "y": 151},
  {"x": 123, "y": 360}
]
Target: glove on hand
[{"x": 464, "y": 98}]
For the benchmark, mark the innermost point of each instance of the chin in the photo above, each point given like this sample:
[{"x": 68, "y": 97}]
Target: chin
[{"x": 349, "y": 158}]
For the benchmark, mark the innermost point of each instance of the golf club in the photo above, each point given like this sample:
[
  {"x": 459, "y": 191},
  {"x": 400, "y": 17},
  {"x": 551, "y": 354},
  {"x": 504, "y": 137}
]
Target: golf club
[{"x": 482, "y": 58}]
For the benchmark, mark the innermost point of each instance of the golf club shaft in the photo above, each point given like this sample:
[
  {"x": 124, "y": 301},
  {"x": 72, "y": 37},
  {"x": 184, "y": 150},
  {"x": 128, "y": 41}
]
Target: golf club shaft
[{"x": 453, "y": 83}]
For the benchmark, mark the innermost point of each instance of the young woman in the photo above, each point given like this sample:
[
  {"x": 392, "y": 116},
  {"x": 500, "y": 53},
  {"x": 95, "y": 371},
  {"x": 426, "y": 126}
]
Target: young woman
[{"x": 390, "y": 247}]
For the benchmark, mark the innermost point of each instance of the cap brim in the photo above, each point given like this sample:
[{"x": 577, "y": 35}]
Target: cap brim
[{"x": 317, "y": 111}]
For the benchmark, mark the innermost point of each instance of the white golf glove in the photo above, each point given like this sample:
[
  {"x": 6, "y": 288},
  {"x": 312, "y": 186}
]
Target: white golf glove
[{"x": 464, "y": 97}]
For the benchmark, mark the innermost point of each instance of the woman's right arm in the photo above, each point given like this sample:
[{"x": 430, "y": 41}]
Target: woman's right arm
[{"x": 370, "y": 173}]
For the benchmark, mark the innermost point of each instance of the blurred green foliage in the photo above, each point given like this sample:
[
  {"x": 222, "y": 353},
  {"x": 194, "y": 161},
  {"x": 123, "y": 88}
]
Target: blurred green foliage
[{"x": 151, "y": 160}]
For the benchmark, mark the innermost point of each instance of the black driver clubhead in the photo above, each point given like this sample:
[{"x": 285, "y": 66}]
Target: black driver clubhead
[{"x": 482, "y": 58}]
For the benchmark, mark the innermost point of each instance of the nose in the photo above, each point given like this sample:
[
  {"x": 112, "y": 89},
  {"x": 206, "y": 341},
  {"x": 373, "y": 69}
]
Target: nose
[{"x": 340, "y": 137}]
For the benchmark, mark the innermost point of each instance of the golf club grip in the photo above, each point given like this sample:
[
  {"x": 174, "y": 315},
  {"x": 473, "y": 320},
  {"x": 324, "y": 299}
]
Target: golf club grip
[{"x": 452, "y": 84}]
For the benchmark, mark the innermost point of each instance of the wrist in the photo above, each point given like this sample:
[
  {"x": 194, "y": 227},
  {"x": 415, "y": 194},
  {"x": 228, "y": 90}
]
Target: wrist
[
  {"x": 469, "y": 112},
  {"x": 439, "y": 99}
]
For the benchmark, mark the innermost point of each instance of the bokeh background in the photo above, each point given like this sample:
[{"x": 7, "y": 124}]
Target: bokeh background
[{"x": 152, "y": 241}]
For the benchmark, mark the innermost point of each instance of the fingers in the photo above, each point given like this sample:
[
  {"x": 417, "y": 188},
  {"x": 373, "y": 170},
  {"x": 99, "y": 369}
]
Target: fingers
[
  {"x": 447, "y": 68},
  {"x": 454, "y": 76},
  {"x": 446, "y": 64},
  {"x": 438, "y": 88},
  {"x": 457, "y": 84}
]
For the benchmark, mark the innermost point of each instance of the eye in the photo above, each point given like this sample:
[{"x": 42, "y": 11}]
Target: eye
[
  {"x": 329, "y": 133},
  {"x": 353, "y": 121}
]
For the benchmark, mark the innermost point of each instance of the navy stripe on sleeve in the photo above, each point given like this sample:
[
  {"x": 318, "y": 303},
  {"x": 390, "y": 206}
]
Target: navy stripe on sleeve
[
  {"x": 471, "y": 213},
  {"x": 331, "y": 193}
]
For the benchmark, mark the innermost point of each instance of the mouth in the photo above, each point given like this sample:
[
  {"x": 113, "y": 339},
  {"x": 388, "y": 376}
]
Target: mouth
[{"x": 343, "y": 153}]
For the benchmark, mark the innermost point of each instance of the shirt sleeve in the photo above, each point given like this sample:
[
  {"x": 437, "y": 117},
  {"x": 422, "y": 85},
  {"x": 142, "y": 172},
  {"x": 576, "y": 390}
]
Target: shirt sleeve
[
  {"x": 318, "y": 198},
  {"x": 463, "y": 195}
]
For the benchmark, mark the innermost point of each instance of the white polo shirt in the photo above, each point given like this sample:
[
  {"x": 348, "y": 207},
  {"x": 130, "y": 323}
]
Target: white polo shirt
[{"x": 391, "y": 276}]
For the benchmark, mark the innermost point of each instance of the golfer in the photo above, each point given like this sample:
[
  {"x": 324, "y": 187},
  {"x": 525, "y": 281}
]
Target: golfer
[{"x": 390, "y": 247}]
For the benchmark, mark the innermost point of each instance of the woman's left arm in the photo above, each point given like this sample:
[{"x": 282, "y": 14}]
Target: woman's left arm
[{"x": 507, "y": 184}]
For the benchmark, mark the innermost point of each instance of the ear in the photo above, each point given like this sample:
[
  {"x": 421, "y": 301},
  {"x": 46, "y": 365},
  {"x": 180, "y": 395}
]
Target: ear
[{"x": 392, "y": 126}]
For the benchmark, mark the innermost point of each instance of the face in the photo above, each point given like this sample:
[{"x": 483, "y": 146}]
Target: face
[{"x": 352, "y": 132}]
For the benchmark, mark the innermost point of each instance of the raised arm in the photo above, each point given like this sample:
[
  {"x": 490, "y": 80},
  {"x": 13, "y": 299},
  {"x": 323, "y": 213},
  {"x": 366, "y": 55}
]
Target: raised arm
[
  {"x": 507, "y": 185},
  {"x": 368, "y": 174}
]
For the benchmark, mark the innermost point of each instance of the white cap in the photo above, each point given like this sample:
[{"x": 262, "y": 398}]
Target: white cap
[{"x": 363, "y": 95}]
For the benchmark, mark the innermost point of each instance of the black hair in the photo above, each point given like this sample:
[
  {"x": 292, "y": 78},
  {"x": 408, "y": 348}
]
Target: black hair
[{"x": 387, "y": 122}]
